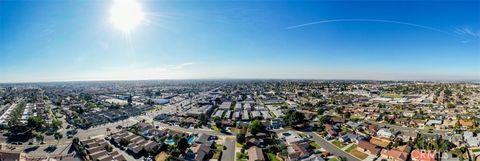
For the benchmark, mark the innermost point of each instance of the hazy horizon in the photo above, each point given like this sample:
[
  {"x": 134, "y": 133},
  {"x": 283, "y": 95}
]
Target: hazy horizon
[{"x": 45, "y": 41}]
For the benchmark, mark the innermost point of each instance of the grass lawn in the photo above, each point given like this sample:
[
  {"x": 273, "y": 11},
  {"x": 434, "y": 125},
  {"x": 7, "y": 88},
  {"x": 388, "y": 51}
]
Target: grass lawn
[
  {"x": 429, "y": 128},
  {"x": 241, "y": 157},
  {"x": 338, "y": 143},
  {"x": 217, "y": 153},
  {"x": 280, "y": 104},
  {"x": 215, "y": 128},
  {"x": 156, "y": 108},
  {"x": 349, "y": 149},
  {"x": 333, "y": 159},
  {"x": 272, "y": 157},
  {"x": 238, "y": 145},
  {"x": 358, "y": 154},
  {"x": 314, "y": 144},
  {"x": 392, "y": 95}
]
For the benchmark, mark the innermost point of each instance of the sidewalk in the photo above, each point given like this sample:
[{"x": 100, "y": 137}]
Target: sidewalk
[{"x": 346, "y": 147}]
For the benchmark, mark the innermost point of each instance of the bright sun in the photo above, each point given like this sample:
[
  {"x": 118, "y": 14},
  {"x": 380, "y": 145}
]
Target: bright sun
[{"x": 126, "y": 14}]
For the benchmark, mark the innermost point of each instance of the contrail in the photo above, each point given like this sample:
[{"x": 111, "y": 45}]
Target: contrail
[{"x": 370, "y": 20}]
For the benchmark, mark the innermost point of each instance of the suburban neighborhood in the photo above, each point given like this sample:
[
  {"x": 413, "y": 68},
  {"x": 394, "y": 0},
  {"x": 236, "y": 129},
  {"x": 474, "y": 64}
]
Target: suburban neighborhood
[{"x": 254, "y": 120}]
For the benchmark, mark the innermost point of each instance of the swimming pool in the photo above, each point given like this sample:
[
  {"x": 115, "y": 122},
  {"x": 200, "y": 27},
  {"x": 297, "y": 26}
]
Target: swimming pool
[
  {"x": 191, "y": 140},
  {"x": 169, "y": 142}
]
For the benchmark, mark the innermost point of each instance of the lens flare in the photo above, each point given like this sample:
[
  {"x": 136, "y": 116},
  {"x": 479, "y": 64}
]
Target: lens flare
[{"x": 126, "y": 15}]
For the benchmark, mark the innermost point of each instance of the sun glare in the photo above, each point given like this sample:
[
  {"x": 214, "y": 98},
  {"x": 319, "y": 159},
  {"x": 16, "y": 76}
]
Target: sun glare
[{"x": 126, "y": 14}]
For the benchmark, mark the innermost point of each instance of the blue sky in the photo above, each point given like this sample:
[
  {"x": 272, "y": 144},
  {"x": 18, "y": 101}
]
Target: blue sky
[{"x": 56, "y": 40}]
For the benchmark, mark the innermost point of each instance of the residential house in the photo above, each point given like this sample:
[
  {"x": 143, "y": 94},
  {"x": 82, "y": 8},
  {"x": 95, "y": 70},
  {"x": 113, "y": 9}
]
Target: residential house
[
  {"x": 12, "y": 155},
  {"x": 298, "y": 151},
  {"x": 397, "y": 154},
  {"x": 466, "y": 123},
  {"x": 418, "y": 123},
  {"x": 407, "y": 135},
  {"x": 255, "y": 154},
  {"x": 364, "y": 146},
  {"x": 422, "y": 155},
  {"x": 349, "y": 137},
  {"x": 198, "y": 152},
  {"x": 385, "y": 133},
  {"x": 470, "y": 139},
  {"x": 380, "y": 142},
  {"x": 331, "y": 130}
]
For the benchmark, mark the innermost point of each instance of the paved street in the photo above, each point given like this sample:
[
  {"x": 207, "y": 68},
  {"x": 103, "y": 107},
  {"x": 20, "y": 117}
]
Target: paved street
[
  {"x": 409, "y": 129},
  {"x": 228, "y": 154},
  {"x": 331, "y": 148}
]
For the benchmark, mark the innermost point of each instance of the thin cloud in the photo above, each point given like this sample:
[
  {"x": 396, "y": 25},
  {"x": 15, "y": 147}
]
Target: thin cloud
[
  {"x": 183, "y": 65},
  {"x": 369, "y": 20},
  {"x": 467, "y": 34}
]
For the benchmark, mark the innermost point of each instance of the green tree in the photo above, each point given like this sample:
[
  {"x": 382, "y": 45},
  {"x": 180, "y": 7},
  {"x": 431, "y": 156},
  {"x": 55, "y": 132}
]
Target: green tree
[
  {"x": 241, "y": 138},
  {"x": 39, "y": 138},
  {"x": 108, "y": 148},
  {"x": 320, "y": 111},
  {"x": 347, "y": 115},
  {"x": 56, "y": 124},
  {"x": 255, "y": 127},
  {"x": 203, "y": 119},
  {"x": 293, "y": 117},
  {"x": 450, "y": 105},
  {"x": 325, "y": 119},
  {"x": 218, "y": 121},
  {"x": 380, "y": 105},
  {"x": 35, "y": 122},
  {"x": 182, "y": 144},
  {"x": 90, "y": 105},
  {"x": 124, "y": 142}
]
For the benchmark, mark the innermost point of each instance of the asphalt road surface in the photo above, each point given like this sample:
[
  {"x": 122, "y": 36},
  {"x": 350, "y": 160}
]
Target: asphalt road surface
[
  {"x": 228, "y": 154},
  {"x": 331, "y": 148}
]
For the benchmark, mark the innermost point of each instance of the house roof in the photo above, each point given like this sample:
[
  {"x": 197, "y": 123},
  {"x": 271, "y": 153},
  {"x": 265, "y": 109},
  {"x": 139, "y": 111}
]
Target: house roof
[
  {"x": 255, "y": 154},
  {"x": 423, "y": 155},
  {"x": 369, "y": 146},
  {"x": 202, "y": 138},
  {"x": 161, "y": 156},
  {"x": 396, "y": 154},
  {"x": 466, "y": 123},
  {"x": 404, "y": 148},
  {"x": 380, "y": 142},
  {"x": 10, "y": 155}
]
